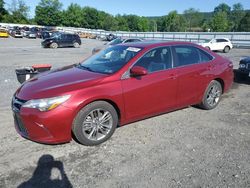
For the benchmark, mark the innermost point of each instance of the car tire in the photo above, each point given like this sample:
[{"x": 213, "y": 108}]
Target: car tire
[
  {"x": 207, "y": 47},
  {"x": 212, "y": 95},
  {"x": 76, "y": 45},
  {"x": 226, "y": 49},
  {"x": 53, "y": 45},
  {"x": 95, "y": 123}
]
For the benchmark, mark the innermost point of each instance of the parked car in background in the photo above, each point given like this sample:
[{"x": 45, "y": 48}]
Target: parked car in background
[
  {"x": 218, "y": 44},
  {"x": 62, "y": 40},
  {"x": 115, "y": 42},
  {"x": 110, "y": 37},
  {"x": 16, "y": 34},
  {"x": 3, "y": 33},
  {"x": 119, "y": 85},
  {"x": 31, "y": 35},
  {"x": 244, "y": 69}
]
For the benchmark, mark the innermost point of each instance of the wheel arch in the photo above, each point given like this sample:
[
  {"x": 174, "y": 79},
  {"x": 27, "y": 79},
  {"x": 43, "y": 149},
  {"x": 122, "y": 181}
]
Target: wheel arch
[
  {"x": 114, "y": 104},
  {"x": 221, "y": 81}
]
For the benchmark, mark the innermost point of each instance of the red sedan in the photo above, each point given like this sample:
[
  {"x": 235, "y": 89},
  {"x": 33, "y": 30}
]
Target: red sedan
[{"x": 119, "y": 85}]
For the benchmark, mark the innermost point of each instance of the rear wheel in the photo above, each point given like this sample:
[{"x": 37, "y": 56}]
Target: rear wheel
[
  {"x": 95, "y": 123},
  {"x": 207, "y": 47},
  {"x": 76, "y": 45},
  {"x": 212, "y": 95},
  {"x": 226, "y": 49},
  {"x": 54, "y": 45}
]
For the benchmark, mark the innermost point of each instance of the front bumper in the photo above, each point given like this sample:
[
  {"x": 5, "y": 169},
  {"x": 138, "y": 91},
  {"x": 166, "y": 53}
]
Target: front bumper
[
  {"x": 244, "y": 71},
  {"x": 50, "y": 127}
]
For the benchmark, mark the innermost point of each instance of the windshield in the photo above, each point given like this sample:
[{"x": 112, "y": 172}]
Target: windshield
[
  {"x": 207, "y": 40},
  {"x": 55, "y": 34},
  {"x": 110, "y": 60},
  {"x": 115, "y": 41}
]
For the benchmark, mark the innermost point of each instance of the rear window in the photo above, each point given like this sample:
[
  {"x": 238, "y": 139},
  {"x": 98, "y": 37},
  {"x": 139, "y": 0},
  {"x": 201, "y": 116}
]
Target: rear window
[
  {"x": 188, "y": 55},
  {"x": 221, "y": 40}
]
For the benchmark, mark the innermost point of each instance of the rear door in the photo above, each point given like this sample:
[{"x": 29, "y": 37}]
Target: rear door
[
  {"x": 193, "y": 70},
  {"x": 152, "y": 93}
]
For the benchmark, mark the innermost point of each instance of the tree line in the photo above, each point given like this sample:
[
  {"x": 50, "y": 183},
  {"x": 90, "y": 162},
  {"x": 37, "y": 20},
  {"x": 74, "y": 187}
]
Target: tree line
[{"x": 50, "y": 13}]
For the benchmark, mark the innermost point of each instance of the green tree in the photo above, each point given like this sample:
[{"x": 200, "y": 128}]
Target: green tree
[
  {"x": 18, "y": 13},
  {"x": 245, "y": 23},
  {"x": 122, "y": 24},
  {"x": 236, "y": 16},
  {"x": 193, "y": 18},
  {"x": 220, "y": 22},
  {"x": 48, "y": 13},
  {"x": 143, "y": 24},
  {"x": 73, "y": 16},
  {"x": 173, "y": 22},
  {"x": 223, "y": 7},
  {"x": 91, "y": 17},
  {"x": 3, "y": 11},
  {"x": 107, "y": 21}
]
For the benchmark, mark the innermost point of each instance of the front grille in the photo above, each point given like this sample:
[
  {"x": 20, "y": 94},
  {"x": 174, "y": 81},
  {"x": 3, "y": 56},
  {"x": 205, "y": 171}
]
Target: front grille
[
  {"x": 16, "y": 107},
  {"x": 19, "y": 125},
  {"x": 17, "y": 104}
]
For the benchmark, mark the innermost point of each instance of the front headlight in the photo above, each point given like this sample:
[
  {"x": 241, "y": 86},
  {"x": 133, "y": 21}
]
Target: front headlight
[
  {"x": 46, "y": 104},
  {"x": 242, "y": 66}
]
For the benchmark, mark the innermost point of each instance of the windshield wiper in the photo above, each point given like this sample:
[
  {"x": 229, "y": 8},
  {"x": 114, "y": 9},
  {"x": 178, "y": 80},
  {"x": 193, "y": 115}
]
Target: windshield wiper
[{"x": 84, "y": 67}]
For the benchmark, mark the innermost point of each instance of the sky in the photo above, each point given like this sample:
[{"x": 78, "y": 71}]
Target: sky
[{"x": 140, "y": 7}]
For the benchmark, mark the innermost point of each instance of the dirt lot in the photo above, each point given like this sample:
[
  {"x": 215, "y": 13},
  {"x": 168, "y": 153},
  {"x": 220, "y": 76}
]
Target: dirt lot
[{"x": 185, "y": 148}]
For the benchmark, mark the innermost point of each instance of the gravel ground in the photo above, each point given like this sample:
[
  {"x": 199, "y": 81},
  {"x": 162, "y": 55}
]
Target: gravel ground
[{"x": 186, "y": 148}]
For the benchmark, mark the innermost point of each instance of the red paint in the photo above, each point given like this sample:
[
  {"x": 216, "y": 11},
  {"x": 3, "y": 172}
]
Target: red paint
[{"x": 135, "y": 97}]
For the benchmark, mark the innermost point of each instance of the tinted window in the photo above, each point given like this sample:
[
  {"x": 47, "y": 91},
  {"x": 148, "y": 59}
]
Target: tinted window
[
  {"x": 156, "y": 60},
  {"x": 221, "y": 40},
  {"x": 132, "y": 40},
  {"x": 204, "y": 57},
  {"x": 186, "y": 55}
]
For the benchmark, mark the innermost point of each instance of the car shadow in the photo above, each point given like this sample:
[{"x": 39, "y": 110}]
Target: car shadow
[
  {"x": 48, "y": 173},
  {"x": 241, "y": 79}
]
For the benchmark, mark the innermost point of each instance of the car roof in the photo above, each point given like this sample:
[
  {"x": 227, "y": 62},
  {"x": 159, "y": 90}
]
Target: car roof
[{"x": 155, "y": 43}]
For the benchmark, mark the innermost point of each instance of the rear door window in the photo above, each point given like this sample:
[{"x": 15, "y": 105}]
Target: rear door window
[
  {"x": 186, "y": 55},
  {"x": 189, "y": 55}
]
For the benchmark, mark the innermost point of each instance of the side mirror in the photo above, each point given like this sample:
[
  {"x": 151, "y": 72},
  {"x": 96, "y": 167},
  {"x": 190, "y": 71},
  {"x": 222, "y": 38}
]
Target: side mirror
[{"x": 138, "y": 71}]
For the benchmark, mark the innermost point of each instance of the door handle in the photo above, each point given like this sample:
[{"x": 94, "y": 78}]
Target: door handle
[
  {"x": 210, "y": 67},
  {"x": 172, "y": 76}
]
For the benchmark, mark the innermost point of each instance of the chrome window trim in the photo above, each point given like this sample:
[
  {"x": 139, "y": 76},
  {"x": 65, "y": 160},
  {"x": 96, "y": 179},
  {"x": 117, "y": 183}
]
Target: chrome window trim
[{"x": 126, "y": 74}]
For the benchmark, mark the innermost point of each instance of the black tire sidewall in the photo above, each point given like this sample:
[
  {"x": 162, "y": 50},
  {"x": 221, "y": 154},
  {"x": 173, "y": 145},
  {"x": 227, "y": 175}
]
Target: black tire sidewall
[
  {"x": 77, "y": 45},
  {"x": 226, "y": 49},
  {"x": 205, "y": 104},
  {"x": 53, "y": 44},
  {"x": 80, "y": 117}
]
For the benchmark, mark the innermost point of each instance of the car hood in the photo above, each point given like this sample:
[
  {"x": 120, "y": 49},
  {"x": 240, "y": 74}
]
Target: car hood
[
  {"x": 58, "y": 82},
  {"x": 245, "y": 60}
]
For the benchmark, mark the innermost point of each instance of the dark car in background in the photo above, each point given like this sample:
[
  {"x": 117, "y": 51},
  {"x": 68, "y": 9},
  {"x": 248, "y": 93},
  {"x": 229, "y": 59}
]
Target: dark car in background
[
  {"x": 244, "y": 68},
  {"x": 62, "y": 40}
]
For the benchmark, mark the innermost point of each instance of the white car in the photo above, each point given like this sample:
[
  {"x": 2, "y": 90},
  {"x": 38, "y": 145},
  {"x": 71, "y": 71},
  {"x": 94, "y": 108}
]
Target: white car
[{"x": 218, "y": 44}]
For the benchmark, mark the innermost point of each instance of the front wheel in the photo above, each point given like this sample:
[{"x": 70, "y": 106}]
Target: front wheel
[
  {"x": 212, "y": 95},
  {"x": 76, "y": 45},
  {"x": 226, "y": 49},
  {"x": 95, "y": 123},
  {"x": 54, "y": 45}
]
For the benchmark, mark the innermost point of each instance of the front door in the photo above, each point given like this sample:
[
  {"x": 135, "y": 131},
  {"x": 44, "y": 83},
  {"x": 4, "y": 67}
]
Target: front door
[{"x": 152, "y": 93}]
